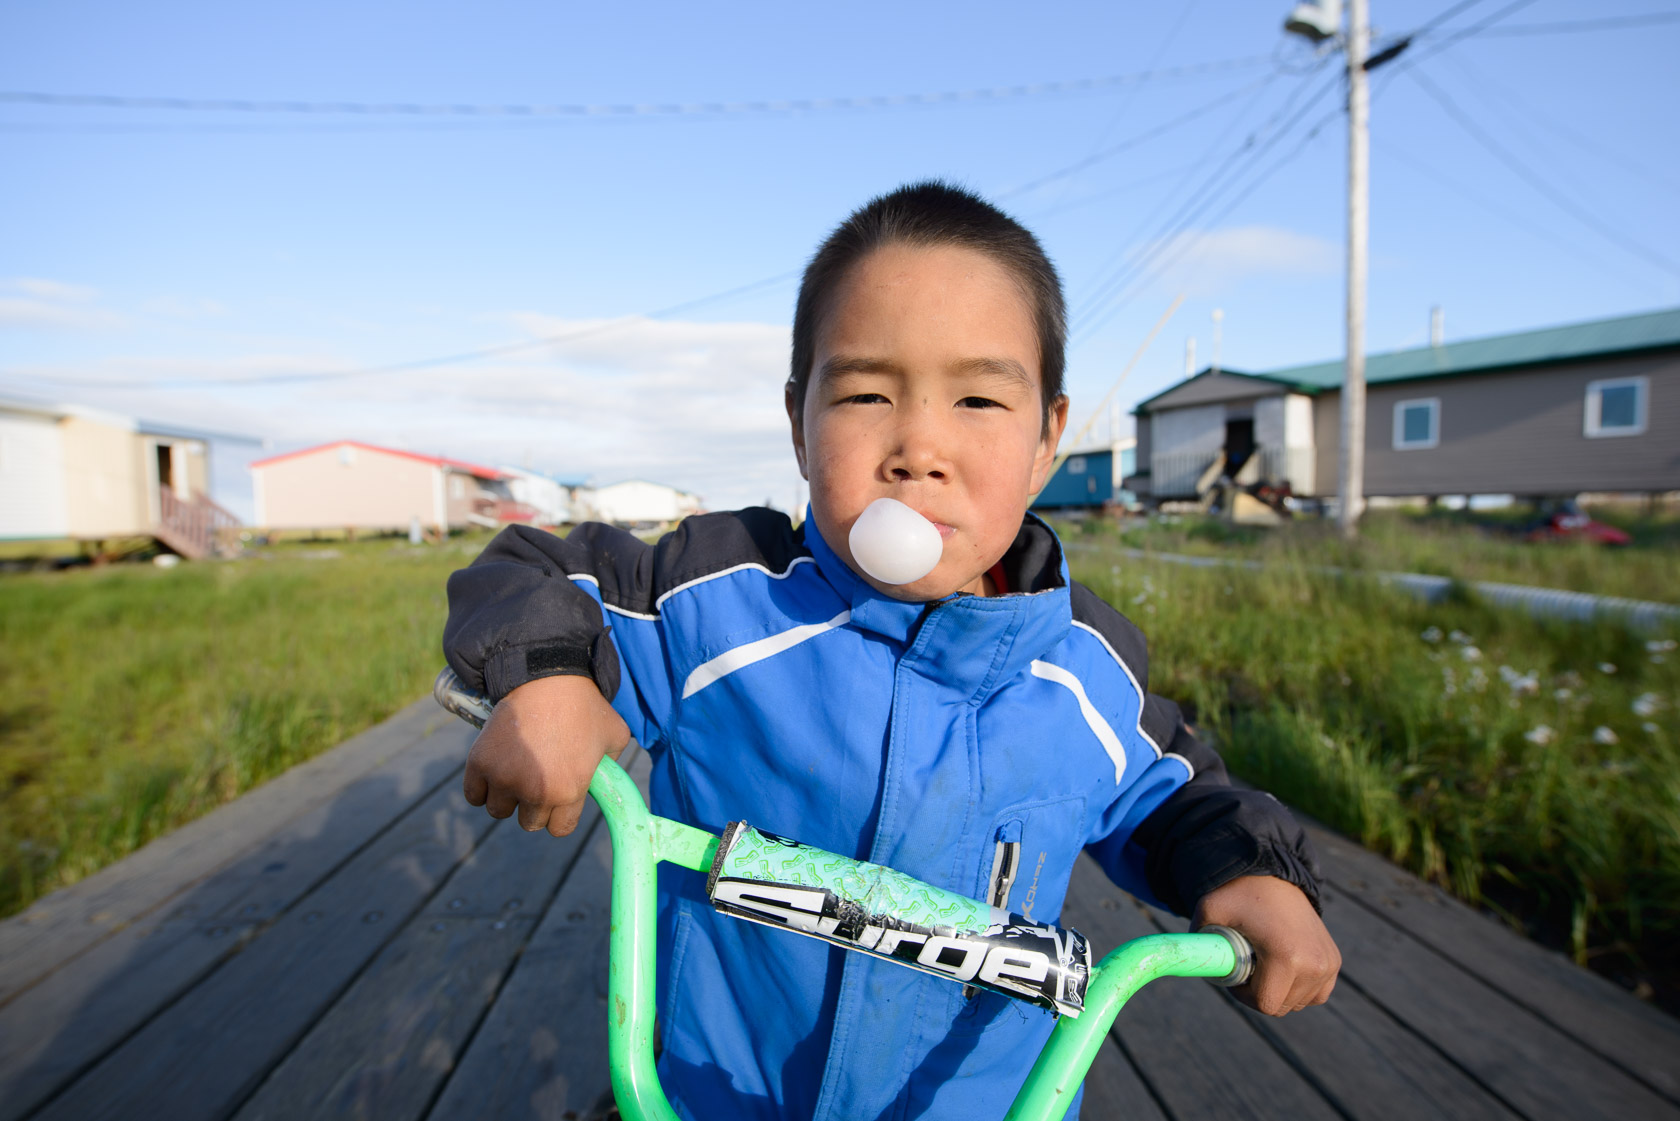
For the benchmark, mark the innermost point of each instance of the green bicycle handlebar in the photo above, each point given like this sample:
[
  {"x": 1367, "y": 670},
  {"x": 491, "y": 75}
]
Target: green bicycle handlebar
[{"x": 641, "y": 840}]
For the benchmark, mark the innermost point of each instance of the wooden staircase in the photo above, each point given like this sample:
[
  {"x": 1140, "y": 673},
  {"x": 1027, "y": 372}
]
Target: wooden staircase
[{"x": 195, "y": 528}]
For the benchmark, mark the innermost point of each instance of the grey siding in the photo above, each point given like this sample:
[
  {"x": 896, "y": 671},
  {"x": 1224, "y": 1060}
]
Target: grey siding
[{"x": 1520, "y": 432}]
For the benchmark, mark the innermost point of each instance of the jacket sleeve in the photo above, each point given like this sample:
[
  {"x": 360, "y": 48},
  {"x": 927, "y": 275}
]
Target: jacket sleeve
[
  {"x": 536, "y": 605},
  {"x": 1207, "y": 832},
  {"x": 1185, "y": 838}
]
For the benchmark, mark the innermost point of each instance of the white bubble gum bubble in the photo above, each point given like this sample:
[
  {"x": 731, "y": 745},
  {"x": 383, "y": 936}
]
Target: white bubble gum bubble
[{"x": 894, "y": 544}]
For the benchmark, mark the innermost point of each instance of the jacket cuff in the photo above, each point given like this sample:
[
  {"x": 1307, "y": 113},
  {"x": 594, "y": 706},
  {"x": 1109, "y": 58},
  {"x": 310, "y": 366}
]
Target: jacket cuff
[
  {"x": 512, "y": 666},
  {"x": 1223, "y": 855}
]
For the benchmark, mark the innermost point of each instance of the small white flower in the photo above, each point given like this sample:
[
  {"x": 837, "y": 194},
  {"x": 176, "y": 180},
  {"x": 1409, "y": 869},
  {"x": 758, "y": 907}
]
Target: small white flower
[
  {"x": 1431, "y": 634},
  {"x": 1460, "y": 637},
  {"x": 1605, "y": 735},
  {"x": 1140, "y": 597},
  {"x": 1650, "y": 728},
  {"x": 1646, "y": 704},
  {"x": 1471, "y": 654},
  {"x": 1607, "y": 667},
  {"x": 1540, "y": 736},
  {"x": 1658, "y": 659},
  {"x": 1659, "y": 645},
  {"x": 1563, "y": 694}
]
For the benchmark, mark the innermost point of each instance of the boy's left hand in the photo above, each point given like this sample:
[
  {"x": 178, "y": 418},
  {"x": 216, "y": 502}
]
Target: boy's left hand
[{"x": 1296, "y": 960}]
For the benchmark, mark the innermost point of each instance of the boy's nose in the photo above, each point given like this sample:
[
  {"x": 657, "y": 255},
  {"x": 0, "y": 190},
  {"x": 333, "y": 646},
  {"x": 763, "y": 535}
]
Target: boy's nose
[{"x": 920, "y": 453}]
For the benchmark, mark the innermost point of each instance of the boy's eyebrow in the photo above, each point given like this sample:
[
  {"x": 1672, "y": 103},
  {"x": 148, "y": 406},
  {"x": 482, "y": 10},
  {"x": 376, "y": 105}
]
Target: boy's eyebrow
[
  {"x": 854, "y": 364},
  {"x": 1006, "y": 368}
]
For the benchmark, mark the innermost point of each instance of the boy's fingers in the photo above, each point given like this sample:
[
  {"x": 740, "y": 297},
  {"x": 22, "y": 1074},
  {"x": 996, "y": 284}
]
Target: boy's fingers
[
  {"x": 1269, "y": 992},
  {"x": 533, "y": 818},
  {"x": 475, "y": 786},
  {"x": 501, "y": 804},
  {"x": 563, "y": 819}
]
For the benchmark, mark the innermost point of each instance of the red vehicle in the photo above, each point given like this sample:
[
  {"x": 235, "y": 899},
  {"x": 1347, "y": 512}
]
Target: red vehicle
[{"x": 1568, "y": 522}]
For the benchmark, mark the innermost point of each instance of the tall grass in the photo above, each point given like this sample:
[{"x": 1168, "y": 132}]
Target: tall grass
[
  {"x": 1466, "y": 547},
  {"x": 133, "y": 699},
  {"x": 1530, "y": 767}
]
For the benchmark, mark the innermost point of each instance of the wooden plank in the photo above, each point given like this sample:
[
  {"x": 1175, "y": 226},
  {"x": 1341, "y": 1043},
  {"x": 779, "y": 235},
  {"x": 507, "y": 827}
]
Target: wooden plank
[
  {"x": 1369, "y": 1066},
  {"x": 542, "y": 1049},
  {"x": 389, "y": 1043},
  {"x": 1113, "y": 1088},
  {"x": 66, "y": 923},
  {"x": 206, "y": 1052},
  {"x": 1618, "y": 1027},
  {"x": 59, "y": 1027},
  {"x": 1539, "y": 1071},
  {"x": 1189, "y": 1041}
]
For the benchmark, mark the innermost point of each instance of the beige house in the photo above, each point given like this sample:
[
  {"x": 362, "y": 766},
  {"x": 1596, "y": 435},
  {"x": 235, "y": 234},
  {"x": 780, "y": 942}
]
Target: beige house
[
  {"x": 1586, "y": 407},
  {"x": 101, "y": 478},
  {"x": 352, "y": 485}
]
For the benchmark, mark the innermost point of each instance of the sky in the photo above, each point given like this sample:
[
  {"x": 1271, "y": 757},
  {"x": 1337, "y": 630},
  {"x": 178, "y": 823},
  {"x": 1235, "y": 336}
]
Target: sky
[{"x": 599, "y": 280}]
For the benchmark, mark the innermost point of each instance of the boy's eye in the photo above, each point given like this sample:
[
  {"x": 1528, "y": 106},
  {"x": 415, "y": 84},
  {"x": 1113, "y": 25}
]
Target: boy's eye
[
  {"x": 980, "y": 403},
  {"x": 863, "y": 399}
]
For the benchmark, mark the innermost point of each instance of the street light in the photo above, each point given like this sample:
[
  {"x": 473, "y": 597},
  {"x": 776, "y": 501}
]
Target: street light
[{"x": 1318, "y": 22}]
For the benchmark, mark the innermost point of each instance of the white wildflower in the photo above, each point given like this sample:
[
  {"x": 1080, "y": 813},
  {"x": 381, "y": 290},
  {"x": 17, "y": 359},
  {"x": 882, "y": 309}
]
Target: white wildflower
[
  {"x": 1563, "y": 694},
  {"x": 1646, "y": 704},
  {"x": 1140, "y": 597},
  {"x": 1431, "y": 634},
  {"x": 1607, "y": 667},
  {"x": 1657, "y": 659},
  {"x": 1540, "y": 735},
  {"x": 1605, "y": 735},
  {"x": 1460, "y": 637},
  {"x": 1650, "y": 728},
  {"x": 1471, "y": 654},
  {"x": 1659, "y": 645}
]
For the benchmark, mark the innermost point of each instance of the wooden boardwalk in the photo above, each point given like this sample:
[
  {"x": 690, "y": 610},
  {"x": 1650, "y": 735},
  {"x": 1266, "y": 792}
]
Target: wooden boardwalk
[{"x": 354, "y": 941}]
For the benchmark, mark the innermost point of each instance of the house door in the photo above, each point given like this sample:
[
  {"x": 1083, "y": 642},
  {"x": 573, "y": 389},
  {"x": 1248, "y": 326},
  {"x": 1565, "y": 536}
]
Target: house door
[
  {"x": 1239, "y": 444},
  {"x": 165, "y": 467}
]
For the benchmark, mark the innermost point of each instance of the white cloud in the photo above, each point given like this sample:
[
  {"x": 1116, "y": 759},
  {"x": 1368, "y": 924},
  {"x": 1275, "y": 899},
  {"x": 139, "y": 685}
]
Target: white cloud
[
  {"x": 54, "y": 304},
  {"x": 696, "y": 405},
  {"x": 1209, "y": 261}
]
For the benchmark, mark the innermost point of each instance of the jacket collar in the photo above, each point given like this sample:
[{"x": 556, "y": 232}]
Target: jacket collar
[{"x": 973, "y": 643}]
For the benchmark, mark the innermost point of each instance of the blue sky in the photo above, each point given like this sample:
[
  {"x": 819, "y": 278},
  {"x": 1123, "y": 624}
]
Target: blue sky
[{"x": 191, "y": 265}]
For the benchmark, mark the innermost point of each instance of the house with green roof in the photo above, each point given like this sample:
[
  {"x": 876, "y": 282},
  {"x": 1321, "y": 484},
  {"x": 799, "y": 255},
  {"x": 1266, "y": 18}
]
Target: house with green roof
[{"x": 1558, "y": 411}]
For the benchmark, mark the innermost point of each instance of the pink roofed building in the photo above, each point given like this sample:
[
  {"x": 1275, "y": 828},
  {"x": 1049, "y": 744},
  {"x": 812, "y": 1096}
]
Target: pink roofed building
[{"x": 351, "y": 485}]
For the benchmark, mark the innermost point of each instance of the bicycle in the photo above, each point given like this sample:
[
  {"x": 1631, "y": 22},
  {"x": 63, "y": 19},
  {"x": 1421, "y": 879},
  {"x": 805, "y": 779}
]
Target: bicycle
[{"x": 865, "y": 908}]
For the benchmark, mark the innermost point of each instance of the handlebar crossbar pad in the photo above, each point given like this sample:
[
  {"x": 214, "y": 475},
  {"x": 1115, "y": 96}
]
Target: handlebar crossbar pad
[{"x": 768, "y": 879}]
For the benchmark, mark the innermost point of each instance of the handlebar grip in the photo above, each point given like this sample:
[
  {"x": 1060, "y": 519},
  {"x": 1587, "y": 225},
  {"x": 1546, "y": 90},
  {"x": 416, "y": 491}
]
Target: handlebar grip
[
  {"x": 1242, "y": 948},
  {"x": 453, "y": 694}
]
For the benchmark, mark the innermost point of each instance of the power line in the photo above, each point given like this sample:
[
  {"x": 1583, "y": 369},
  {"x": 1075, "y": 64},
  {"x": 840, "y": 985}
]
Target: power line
[
  {"x": 1132, "y": 142},
  {"x": 711, "y": 109},
  {"x": 1539, "y": 182},
  {"x": 1571, "y": 27},
  {"x": 1133, "y": 262}
]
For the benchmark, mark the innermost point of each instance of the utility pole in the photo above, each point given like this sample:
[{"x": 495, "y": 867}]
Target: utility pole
[{"x": 1318, "y": 22}]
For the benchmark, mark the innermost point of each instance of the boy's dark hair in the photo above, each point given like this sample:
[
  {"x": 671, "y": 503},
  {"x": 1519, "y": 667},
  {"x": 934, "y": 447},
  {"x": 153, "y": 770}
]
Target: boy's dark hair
[{"x": 924, "y": 215}]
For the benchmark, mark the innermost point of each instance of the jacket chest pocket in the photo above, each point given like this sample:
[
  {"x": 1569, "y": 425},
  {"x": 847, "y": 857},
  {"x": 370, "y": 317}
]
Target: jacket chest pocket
[
  {"x": 1027, "y": 865},
  {"x": 1024, "y": 870}
]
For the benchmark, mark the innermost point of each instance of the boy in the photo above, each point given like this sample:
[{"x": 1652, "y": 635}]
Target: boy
[{"x": 976, "y": 728}]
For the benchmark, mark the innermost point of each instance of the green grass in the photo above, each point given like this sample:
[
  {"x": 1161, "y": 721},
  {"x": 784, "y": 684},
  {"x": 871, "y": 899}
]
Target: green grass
[
  {"x": 134, "y": 699},
  {"x": 1467, "y": 547},
  {"x": 1328, "y": 693}
]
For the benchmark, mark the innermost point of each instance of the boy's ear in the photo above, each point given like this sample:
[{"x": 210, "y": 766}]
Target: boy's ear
[
  {"x": 1046, "y": 457},
  {"x": 791, "y": 401}
]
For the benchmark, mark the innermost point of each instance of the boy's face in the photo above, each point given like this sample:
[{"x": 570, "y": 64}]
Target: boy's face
[{"x": 926, "y": 388}]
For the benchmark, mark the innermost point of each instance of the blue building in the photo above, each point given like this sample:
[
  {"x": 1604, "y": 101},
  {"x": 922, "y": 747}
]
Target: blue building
[{"x": 1089, "y": 478}]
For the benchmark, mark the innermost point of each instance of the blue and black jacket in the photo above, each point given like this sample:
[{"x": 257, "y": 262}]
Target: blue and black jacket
[{"x": 977, "y": 743}]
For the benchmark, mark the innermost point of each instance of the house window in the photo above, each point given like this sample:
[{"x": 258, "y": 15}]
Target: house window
[
  {"x": 1617, "y": 406},
  {"x": 457, "y": 487},
  {"x": 1076, "y": 465},
  {"x": 1417, "y": 423}
]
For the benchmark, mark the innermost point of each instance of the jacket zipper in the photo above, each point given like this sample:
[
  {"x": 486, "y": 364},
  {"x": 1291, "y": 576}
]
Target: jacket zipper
[{"x": 1006, "y": 860}]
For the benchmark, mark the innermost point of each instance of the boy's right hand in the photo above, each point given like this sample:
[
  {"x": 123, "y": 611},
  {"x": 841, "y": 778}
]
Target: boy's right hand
[{"x": 539, "y": 751}]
